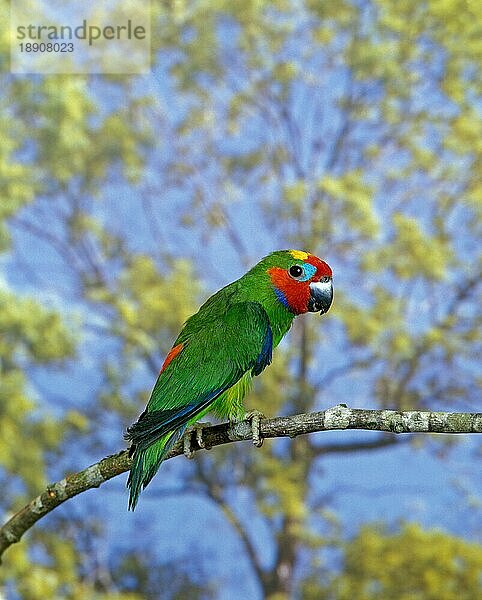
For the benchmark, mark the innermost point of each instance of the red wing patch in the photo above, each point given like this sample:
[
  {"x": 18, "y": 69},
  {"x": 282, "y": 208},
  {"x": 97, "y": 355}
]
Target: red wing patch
[{"x": 173, "y": 352}]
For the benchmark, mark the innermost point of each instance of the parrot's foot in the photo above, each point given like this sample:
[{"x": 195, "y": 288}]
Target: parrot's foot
[
  {"x": 197, "y": 428},
  {"x": 254, "y": 416}
]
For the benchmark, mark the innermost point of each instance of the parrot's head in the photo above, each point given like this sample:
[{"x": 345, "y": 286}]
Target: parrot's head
[{"x": 302, "y": 282}]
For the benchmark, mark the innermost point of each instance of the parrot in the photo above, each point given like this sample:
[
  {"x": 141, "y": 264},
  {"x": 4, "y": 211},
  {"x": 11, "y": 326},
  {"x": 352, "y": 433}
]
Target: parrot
[{"x": 219, "y": 350}]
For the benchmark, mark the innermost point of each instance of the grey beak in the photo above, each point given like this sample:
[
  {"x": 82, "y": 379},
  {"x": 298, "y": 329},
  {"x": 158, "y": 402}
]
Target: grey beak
[{"x": 321, "y": 296}]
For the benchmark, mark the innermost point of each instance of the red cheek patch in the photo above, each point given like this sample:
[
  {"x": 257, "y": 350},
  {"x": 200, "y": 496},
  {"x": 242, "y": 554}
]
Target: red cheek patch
[{"x": 297, "y": 293}]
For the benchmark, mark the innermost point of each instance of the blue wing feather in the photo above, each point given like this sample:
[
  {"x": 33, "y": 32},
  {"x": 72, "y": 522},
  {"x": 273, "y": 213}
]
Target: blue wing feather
[{"x": 266, "y": 354}]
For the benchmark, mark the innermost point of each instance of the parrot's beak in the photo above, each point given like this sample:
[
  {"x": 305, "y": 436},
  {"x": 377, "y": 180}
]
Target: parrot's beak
[{"x": 321, "y": 296}]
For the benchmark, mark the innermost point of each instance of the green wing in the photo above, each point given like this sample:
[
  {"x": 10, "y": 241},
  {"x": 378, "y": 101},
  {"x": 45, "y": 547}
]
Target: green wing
[{"x": 210, "y": 361}]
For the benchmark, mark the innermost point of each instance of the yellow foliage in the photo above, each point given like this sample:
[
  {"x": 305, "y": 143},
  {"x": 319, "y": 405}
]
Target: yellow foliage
[
  {"x": 353, "y": 197},
  {"x": 413, "y": 563},
  {"x": 411, "y": 252}
]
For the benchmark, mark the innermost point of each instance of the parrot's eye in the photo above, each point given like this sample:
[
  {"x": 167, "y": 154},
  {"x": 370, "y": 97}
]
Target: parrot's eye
[{"x": 296, "y": 271}]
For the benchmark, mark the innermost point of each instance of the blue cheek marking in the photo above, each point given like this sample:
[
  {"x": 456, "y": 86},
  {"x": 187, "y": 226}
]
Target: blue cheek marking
[
  {"x": 281, "y": 297},
  {"x": 310, "y": 270}
]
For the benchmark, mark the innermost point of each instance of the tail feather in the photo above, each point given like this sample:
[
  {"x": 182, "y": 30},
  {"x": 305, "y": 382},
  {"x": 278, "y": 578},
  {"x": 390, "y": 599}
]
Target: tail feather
[
  {"x": 154, "y": 425},
  {"x": 146, "y": 463},
  {"x": 153, "y": 436}
]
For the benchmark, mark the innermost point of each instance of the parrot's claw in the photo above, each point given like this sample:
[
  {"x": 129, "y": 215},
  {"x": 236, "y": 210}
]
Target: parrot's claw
[
  {"x": 197, "y": 428},
  {"x": 254, "y": 416}
]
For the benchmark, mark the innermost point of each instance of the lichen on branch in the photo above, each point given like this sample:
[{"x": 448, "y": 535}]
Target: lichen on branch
[{"x": 336, "y": 418}]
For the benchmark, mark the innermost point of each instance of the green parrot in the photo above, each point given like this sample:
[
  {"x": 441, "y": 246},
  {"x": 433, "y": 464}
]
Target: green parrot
[{"x": 220, "y": 349}]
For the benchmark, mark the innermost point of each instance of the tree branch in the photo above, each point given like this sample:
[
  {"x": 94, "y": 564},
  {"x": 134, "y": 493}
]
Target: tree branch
[{"x": 339, "y": 417}]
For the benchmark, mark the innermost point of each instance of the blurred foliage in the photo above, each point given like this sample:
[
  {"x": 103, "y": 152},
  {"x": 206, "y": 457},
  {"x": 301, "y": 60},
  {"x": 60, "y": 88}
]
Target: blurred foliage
[
  {"x": 413, "y": 563},
  {"x": 29, "y": 335},
  {"x": 138, "y": 571},
  {"x": 351, "y": 129}
]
